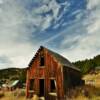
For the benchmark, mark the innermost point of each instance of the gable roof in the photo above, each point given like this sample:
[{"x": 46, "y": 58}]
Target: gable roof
[{"x": 63, "y": 61}]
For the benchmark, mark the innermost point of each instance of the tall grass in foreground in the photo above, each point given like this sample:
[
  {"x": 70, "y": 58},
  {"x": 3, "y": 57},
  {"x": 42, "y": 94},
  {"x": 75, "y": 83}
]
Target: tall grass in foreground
[
  {"x": 86, "y": 92},
  {"x": 79, "y": 93}
]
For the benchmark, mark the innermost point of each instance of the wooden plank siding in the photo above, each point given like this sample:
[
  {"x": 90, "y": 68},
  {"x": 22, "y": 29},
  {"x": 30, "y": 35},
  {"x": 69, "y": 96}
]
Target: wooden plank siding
[{"x": 52, "y": 69}]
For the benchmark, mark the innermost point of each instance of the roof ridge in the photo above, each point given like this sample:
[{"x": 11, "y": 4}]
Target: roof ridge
[{"x": 64, "y": 61}]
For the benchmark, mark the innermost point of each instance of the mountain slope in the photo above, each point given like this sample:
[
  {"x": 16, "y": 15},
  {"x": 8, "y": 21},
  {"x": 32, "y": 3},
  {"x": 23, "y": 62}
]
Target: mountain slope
[
  {"x": 88, "y": 64},
  {"x": 13, "y": 73}
]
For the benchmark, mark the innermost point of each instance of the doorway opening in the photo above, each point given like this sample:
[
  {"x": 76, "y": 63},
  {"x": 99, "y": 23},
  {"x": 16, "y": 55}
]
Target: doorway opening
[
  {"x": 31, "y": 84},
  {"x": 52, "y": 85},
  {"x": 41, "y": 86}
]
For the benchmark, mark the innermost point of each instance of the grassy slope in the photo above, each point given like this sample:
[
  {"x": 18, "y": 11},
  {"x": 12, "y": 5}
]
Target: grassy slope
[
  {"x": 92, "y": 88},
  {"x": 13, "y": 74}
]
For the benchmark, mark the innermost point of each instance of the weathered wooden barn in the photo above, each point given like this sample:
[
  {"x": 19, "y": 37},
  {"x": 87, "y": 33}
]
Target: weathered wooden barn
[{"x": 50, "y": 73}]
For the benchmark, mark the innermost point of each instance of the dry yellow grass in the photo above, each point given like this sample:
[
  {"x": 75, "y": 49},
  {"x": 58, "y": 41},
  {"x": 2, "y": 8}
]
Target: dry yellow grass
[
  {"x": 93, "y": 91},
  {"x": 12, "y": 95},
  {"x": 92, "y": 82},
  {"x": 94, "y": 94},
  {"x": 93, "y": 77}
]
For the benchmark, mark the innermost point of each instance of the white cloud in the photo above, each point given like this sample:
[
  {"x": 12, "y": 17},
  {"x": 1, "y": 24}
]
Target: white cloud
[
  {"x": 18, "y": 54},
  {"x": 81, "y": 38},
  {"x": 88, "y": 45},
  {"x": 1, "y": 1},
  {"x": 64, "y": 3},
  {"x": 46, "y": 22},
  {"x": 15, "y": 42},
  {"x": 94, "y": 16},
  {"x": 68, "y": 40},
  {"x": 16, "y": 28},
  {"x": 74, "y": 25},
  {"x": 56, "y": 26},
  {"x": 94, "y": 27},
  {"x": 93, "y": 3},
  {"x": 42, "y": 9},
  {"x": 64, "y": 11},
  {"x": 55, "y": 8}
]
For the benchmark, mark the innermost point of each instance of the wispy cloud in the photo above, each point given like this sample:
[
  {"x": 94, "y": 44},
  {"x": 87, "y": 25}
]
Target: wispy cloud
[
  {"x": 81, "y": 36},
  {"x": 14, "y": 35},
  {"x": 46, "y": 21},
  {"x": 18, "y": 26},
  {"x": 85, "y": 45},
  {"x": 92, "y": 4}
]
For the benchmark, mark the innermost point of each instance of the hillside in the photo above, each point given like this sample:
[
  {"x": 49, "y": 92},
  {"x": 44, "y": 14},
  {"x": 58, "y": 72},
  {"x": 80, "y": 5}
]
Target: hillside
[
  {"x": 13, "y": 74},
  {"x": 88, "y": 64}
]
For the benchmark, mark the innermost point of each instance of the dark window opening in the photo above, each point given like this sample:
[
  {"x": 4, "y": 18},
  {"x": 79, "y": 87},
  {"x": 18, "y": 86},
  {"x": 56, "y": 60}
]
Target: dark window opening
[
  {"x": 42, "y": 61},
  {"x": 52, "y": 86},
  {"x": 31, "y": 84},
  {"x": 41, "y": 85}
]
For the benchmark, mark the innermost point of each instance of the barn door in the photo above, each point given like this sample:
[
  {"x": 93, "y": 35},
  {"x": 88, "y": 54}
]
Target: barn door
[{"x": 41, "y": 87}]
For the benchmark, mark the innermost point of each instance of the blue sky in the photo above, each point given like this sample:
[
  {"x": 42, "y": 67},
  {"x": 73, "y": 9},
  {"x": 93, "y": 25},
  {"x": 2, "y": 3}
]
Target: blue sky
[{"x": 69, "y": 27}]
